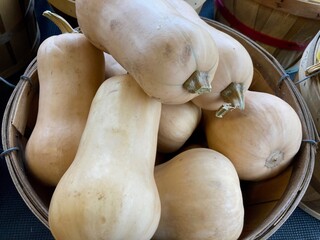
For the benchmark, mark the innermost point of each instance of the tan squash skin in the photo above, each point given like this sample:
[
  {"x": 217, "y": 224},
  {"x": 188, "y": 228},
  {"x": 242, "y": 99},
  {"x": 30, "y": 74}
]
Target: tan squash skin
[
  {"x": 70, "y": 70},
  {"x": 112, "y": 67},
  {"x": 109, "y": 190},
  {"x": 235, "y": 64},
  {"x": 200, "y": 197},
  {"x": 261, "y": 140},
  {"x": 161, "y": 52},
  {"x": 177, "y": 123}
]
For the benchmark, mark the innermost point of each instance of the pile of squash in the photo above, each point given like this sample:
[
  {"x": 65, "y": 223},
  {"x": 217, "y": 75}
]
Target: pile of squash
[{"x": 146, "y": 125}]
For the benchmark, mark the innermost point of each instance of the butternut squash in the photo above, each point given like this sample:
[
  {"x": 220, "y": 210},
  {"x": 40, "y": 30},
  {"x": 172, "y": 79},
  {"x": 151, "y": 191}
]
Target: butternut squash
[
  {"x": 171, "y": 57},
  {"x": 200, "y": 197},
  {"x": 109, "y": 191},
  {"x": 177, "y": 123},
  {"x": 234, "y": 73},
  {"x": 261, "y": 140},
  {"x": 70, "y": 70}
]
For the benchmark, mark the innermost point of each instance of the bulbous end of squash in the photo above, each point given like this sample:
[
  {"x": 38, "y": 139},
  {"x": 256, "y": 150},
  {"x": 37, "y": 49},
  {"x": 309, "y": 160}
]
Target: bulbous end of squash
[
  {"x": 233, "y": 95},
  {"x": 198, "y": 83},
  {"x": 274, "y": 159}
]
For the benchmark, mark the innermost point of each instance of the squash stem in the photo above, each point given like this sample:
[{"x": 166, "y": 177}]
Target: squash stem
[
  {"x": 59, "y": 21},
  {"x": 198, "y": 83},
  {"x": 224, "y": 109},
  {"x": 233, "y": 95}
]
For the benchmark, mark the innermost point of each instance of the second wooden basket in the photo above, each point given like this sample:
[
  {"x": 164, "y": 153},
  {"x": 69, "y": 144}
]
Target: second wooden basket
[{"x": 283, "y": 28}]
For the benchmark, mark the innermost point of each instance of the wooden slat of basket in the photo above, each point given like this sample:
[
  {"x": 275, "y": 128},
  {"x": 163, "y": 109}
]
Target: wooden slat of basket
[
  {"x": 276, "y": 17},
  {"x": 249, "y": 16},
  {"x": 20, "y": 116},
  {"x": 268, "y": 18},
  {"x": 259, "y": 193},
  {"x": 231, "y": 5},
  {"x": 296, "y": 33},
  {"x": 301, "y": 8},
  {"x": 311, "y": 202},
  {"x": 310, "y": 90},
  {"x": 256, "y": 214},
  {"x": 258, "y": 83},
  {"x": 316, "y": 57},
  {"x": 315, "y": 181},
  {"x": 268, "y": 25},
  {"x": 264, "y": 14}
]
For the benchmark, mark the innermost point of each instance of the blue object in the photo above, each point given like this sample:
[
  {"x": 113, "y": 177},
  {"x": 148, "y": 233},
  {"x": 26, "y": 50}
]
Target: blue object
[{"x": 207, "y": 10}]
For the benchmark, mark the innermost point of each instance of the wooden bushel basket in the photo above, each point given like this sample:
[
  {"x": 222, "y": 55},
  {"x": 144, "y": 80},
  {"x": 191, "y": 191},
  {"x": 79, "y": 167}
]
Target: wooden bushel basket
[
  {"x": 19, "y": 36},
  {"x": 309, "y": 77},
  {"x": 268, "y": 203},
  {"x": 283, "y": 28}
]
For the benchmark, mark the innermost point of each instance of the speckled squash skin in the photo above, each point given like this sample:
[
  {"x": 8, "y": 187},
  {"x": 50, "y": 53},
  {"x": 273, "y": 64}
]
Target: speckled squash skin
[
  {"x": 109, "y": 191},
  {"x": 200, "y": 197},
  {"x": 161, "y": 50},
  {"x": 260, "y": 140},
  {"x": 70, "y": 70}
]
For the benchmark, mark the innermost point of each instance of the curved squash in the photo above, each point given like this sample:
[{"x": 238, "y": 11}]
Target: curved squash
[
  {"x": 177, "y": 123},
  {"x": 260, "y": 140},
  {"x": 109, "y": 190},
  {"x": 70, "y": 70},
  {"x": 200, "y": 197},
  {"x": 171, "y": 57}
]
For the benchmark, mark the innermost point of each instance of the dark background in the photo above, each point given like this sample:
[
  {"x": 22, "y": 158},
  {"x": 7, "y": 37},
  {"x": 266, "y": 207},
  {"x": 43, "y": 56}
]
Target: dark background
[{"x": 18, "y": 222}]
